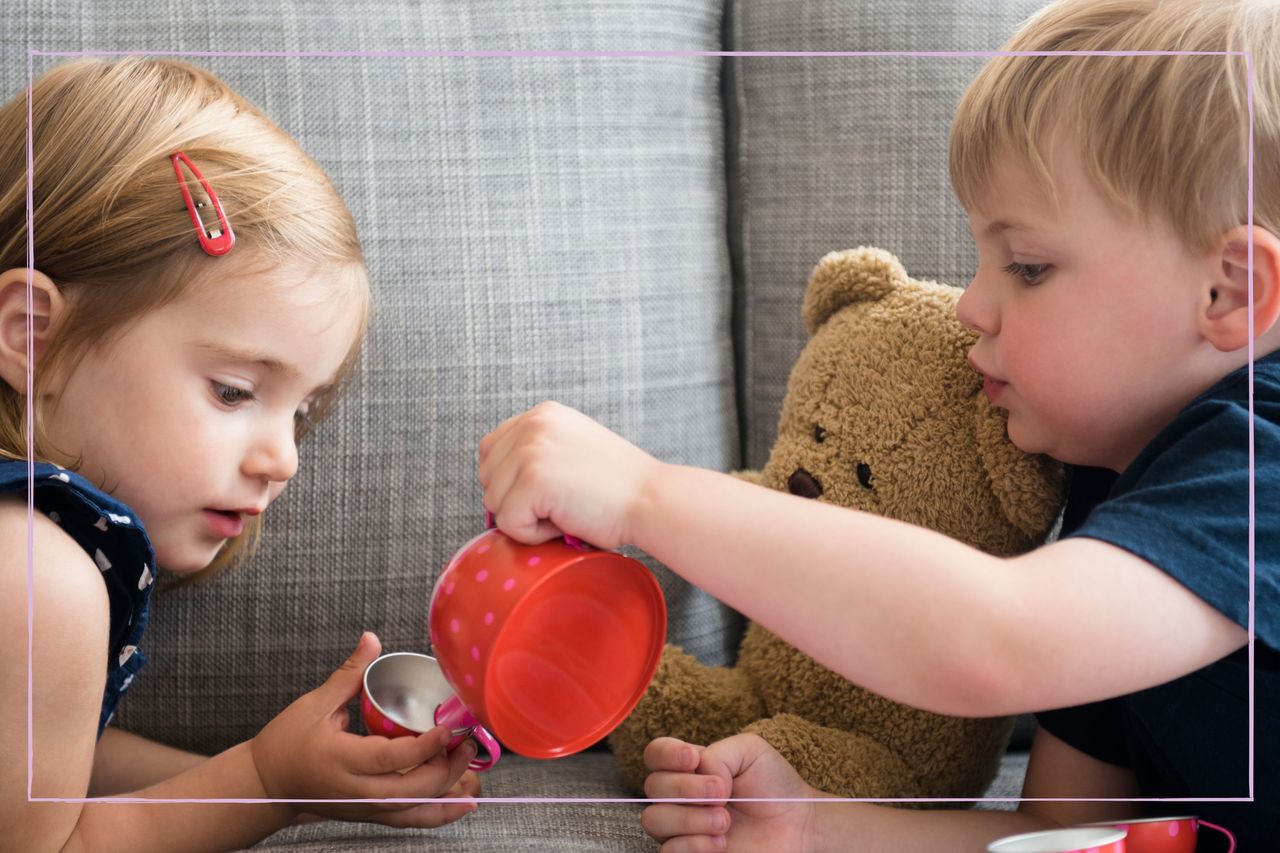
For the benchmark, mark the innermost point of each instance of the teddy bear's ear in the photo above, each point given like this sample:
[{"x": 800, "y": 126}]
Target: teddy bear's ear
[
  {"x": 863, "y": 274},
  {"x": 1030, "y": 487}
]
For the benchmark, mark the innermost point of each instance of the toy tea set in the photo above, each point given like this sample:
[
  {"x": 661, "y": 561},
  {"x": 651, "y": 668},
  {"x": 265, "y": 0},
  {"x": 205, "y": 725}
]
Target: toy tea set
[
  {"x": 1141, "y": 835},
  {"x": 541, "y": 649}
]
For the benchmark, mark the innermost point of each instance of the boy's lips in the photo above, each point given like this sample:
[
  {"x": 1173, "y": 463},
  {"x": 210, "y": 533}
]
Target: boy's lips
[{"x": 992, "y": 388}]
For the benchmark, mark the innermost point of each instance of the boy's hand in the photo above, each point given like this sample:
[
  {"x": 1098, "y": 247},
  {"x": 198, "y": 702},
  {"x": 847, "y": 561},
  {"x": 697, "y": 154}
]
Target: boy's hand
[
  {"x": 306, "y": 752},
  {"x": 553, "y": 470},
  {"x": 740, "y": 766}
]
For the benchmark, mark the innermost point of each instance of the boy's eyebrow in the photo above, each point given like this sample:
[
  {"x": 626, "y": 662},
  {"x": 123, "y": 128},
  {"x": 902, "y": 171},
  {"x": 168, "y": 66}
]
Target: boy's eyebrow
[
  {"x": 1005, "y": 225},
  {"x": 270, "y": 363}
]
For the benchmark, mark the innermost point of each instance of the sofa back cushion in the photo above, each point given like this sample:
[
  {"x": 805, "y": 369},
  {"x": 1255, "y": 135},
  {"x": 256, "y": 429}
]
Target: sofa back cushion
[
  {"x": 830, "y": 153},
  {"x": 535, "y": 227}
]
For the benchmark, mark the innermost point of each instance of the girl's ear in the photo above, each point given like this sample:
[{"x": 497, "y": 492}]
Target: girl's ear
[
  {"x": 45, "y": 311},
  {"x": 1224, "y": 314}
]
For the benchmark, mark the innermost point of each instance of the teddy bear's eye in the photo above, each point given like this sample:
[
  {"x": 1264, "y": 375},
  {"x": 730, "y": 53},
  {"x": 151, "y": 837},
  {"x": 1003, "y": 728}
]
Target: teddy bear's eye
[
  {"x": 864, "y": 475},
  {"x": 819, "y": 434}
]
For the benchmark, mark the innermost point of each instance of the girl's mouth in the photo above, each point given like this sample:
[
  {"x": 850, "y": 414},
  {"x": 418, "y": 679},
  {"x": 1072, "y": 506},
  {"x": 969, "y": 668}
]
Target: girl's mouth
[{"x": 227, "y": 525}]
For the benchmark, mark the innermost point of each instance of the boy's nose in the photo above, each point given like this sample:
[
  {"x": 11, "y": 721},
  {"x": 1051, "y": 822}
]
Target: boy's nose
[{"x": 976, "y": 310}]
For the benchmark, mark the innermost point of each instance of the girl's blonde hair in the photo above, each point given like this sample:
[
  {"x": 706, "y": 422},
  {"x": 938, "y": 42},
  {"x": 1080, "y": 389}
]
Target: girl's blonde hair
[
  {"x": 1163, "y": 136},
  {"x": 111, "y": 228}
]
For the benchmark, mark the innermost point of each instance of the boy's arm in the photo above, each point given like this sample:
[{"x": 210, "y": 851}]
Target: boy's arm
[
  {"x": 955, "y": 630},
  {"x": 124, "y": 761},
  {"x": 746, "y": 767}
]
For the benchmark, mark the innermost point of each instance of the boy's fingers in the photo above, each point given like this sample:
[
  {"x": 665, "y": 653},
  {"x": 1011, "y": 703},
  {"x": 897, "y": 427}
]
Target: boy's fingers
[
  {"x": 668, "y": 753},
  {"x": 346, "y": 680},
  {"x": 670, "y": 822},
  {"x": 490, "y": 442},
  {"x": 518, "y": 519},
  {"x": 663, "y": 784}
]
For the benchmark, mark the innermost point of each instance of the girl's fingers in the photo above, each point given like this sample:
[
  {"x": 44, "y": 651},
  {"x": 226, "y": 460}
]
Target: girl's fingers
[
  {"x": 427, "y": 815},
  {"x": 663, "y": 821},
  {"x": 375, "y": 755},
  {"x": 429, "y": 779},
  {"x": 468, "y": 786}
]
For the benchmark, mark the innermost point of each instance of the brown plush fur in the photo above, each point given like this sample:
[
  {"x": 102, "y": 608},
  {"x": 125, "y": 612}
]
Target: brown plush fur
[{"x": 885, "y": 380}]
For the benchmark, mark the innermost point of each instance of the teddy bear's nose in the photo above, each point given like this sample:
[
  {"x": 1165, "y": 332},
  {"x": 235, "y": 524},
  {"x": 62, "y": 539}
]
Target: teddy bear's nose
[{"x": 804, "y": 484}]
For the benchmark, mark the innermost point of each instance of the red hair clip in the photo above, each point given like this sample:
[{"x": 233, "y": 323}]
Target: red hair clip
[{"x": 215, "y": 240}]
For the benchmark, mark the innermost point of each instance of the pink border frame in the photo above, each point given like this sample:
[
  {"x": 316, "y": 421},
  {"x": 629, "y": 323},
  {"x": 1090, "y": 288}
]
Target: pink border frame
[{"x": 641, "y": 54}]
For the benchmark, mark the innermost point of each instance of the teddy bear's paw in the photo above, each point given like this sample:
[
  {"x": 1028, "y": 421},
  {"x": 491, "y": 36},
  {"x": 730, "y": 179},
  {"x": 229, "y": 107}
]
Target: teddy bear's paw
[
  {"x": 687, "y": 700},
  {"x": 846, "y": 764}
]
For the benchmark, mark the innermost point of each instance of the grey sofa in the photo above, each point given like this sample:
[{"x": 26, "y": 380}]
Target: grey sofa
[{"x": 630, "y": 235}]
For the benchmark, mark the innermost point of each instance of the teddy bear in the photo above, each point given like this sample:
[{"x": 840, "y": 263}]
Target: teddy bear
[{"x": 883, "y": 413}]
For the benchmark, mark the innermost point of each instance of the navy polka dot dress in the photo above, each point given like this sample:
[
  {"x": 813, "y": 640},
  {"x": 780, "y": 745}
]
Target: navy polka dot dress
[{"x": 112, "y": 535}]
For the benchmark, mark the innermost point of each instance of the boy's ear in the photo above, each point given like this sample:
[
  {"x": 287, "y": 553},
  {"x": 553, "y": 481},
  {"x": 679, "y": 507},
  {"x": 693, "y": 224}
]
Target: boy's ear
[
  {"x": 46, "y": 310},
  {"x": 1224, "y": 316}
]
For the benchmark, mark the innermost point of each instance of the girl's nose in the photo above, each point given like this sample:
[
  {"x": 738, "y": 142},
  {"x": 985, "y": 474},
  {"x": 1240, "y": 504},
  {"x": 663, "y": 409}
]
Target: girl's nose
[{"x": 274, "y": 455}]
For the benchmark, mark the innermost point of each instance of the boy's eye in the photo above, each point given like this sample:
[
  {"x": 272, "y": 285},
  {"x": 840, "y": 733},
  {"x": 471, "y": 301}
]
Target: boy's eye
[
  {"x": 302, "y": 417},
  {"x": 1027, "y": 272},
  {"x": 230, "y": 395}
]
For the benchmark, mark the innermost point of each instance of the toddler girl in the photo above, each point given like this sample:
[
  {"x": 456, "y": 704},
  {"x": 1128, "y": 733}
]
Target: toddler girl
[{"x": 197, "y": 294}]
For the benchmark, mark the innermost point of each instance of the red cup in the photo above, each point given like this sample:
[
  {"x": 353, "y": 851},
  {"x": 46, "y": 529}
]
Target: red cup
[
  {"x": 406, "y": 694},
  {"x": 1074, "y": 840},
  {"x": 1165, "y": 834},
  {"x": 549, "y": 645}
]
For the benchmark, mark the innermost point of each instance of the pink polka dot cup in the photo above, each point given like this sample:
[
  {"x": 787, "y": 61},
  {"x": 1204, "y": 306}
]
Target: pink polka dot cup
[
  {"x": 1165, "y": 834},
  {"x": 1074, "y": 840},
  {"x": 550, "y": 646},
  {"x": 406, "y": 694}
]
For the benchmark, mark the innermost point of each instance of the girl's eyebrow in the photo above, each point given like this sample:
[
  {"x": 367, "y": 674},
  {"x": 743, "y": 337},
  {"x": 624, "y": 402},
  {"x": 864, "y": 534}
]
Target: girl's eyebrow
[{"x": 264, "y": 360}]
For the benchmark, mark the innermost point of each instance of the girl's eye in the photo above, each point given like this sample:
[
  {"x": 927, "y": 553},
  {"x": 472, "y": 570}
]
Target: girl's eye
[
  {"x": 1027, "y": 272},
  {"x": 230, "y": 395}
]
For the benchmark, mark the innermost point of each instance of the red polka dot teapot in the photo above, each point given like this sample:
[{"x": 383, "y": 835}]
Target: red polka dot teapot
[{"x": 545, "y": 648}]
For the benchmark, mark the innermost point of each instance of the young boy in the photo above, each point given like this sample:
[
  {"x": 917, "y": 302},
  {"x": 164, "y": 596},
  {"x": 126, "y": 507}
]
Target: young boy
[{"x": 1115, "y": 312}]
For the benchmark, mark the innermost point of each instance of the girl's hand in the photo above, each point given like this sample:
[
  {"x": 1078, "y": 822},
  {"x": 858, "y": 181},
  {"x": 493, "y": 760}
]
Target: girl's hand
[
  {"x": 740, "y": 766},
  {"x": 306, "y": 752},
  {"x": 553, "y": 470}
]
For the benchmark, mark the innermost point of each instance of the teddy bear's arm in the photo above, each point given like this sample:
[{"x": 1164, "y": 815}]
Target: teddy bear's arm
[
  {"x": 846, "y": 764},
  {"x": 852, "y": 764},
  {"x": 688, "y": 700}
]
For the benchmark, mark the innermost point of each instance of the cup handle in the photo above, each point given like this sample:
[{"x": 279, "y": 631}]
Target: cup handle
[
  {"x": 1231, "y": 839},
  {"x": 572, "y": 541},
  {"x": 463, "y": 724}
]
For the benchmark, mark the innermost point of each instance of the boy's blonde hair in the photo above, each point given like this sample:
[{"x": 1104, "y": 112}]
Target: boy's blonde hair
[
  {"x": 1164, "y": 136},
  {"x": 111, "y": 229}
]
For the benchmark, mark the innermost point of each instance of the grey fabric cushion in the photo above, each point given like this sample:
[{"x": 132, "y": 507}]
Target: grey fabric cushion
[
  {"x": 832, "y": 153},
  {"x": 505, "y": 827},
  {"x": 535, "y": 228}
]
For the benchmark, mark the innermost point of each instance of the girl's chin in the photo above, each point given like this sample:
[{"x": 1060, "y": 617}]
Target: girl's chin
[{"x": 185, "y": 564}]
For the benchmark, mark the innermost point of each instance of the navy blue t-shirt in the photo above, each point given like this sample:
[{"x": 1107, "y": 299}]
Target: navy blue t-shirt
[
  {"x": 113, "y": 536},
  {"x": 1183, "y": 506}
]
